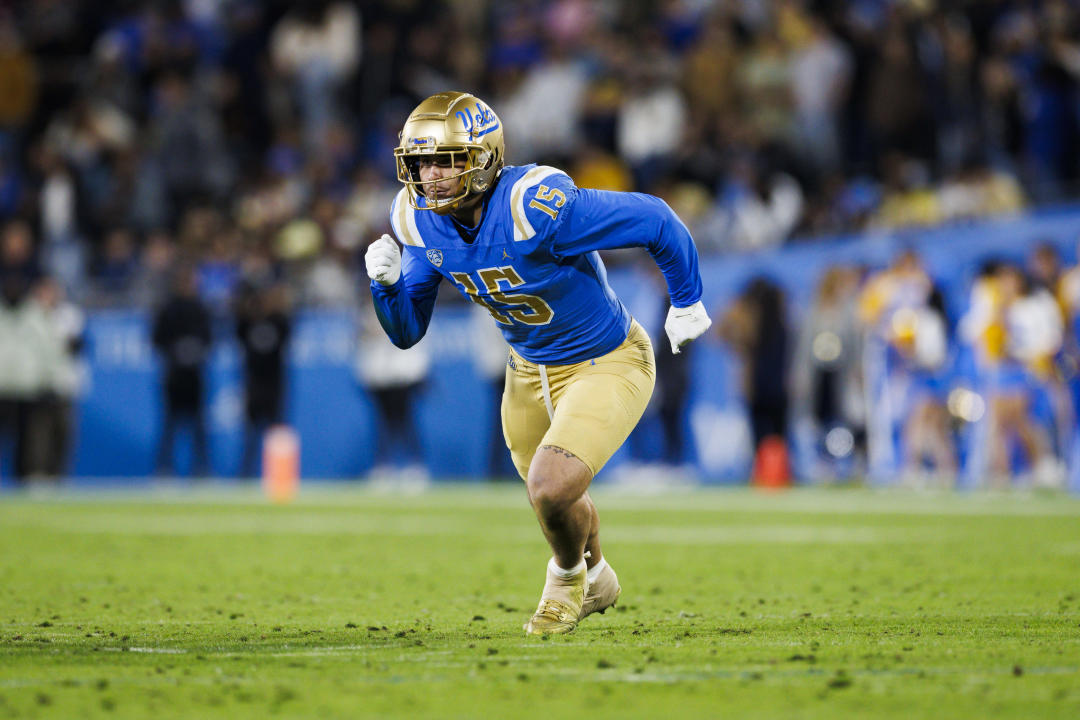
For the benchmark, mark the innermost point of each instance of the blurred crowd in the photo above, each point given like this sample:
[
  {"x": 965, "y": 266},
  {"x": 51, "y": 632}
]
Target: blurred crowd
[
  {"x": 885, "y": 379},
  {"x": 133, "y": 132},
  {"x": 241, "y": 148}
]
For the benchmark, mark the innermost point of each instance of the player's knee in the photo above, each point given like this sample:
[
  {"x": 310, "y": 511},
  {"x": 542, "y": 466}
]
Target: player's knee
[
  {"x": 556, "y": 480},
  {"x": 552, "y": 494},
  {"x": 548, "y": 495}
]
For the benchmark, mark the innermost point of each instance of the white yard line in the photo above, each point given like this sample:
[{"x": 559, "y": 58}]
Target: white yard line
[
  {"x": 697, "y": 530},
  {"x": 348, "y": 496},
  {"x": 674, "y": 675}
]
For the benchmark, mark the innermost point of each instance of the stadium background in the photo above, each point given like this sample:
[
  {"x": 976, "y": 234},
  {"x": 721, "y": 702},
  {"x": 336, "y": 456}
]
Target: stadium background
[{"x": 250, "y": 143}]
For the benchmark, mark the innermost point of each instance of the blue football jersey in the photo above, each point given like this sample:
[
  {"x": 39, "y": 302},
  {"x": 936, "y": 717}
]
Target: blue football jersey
[{"x": 533, "y": 263}]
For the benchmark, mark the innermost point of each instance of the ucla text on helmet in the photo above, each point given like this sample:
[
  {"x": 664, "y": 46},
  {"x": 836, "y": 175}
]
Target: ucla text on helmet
[
  {"x": 466, "y": 133},
  {"x": 478, "y": 123}
]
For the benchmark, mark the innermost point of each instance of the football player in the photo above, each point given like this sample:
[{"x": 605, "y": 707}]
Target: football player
[{"x": 522, "y": 242}]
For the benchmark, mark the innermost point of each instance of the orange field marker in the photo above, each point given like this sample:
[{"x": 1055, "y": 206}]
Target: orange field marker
[{"x": 281, "y": 464}]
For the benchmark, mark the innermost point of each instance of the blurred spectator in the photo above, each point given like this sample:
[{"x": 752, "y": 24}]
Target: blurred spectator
[
  {"x": 1020, "y": 328},
  {"x": 898, "y": 108},
  {"x": 764, "y": 78},
  {"x": 920, "y": 340},
  {"x": 188, "y": 144},
  {"x": 114, "y": 273},
  {"x": 955, "y": 79},
  {"x": 51, "y": 423},
  {"x": 63, "y": 251},
  {"x": 710, "y": 68},
  {"x": 904, "y": 284},
  {"x": 886, "y": 305},
  {"x": 181, "y": 333},
  {"x": 245, "y": 99},
  {"x": 1047, "y": 274},
  {"x": 599, "y": 170},
  {"x": 331, "y": 278},
  {"x": 57, "y": 198},
  {"x": 316, "y": 46},
  {"x": 599, "y": 119},
  {"x": 908, "y": 199},
  {"x": 1046, "y": 94},
  {"x": 1068, "y": 293},
  {"x": 1002, "y": 114},
  {"x": 545, "y": 109},
  {"x": 827, "y": 371},
  {"x": 218, "y": 270},
  {"x": 18, "y": 77},
  {"x": 755, "y": 325},
  {"x": 672, "y": 395},
  {"x": 12, "y": 187},
  {"x": 263, "y": 327},
  {"x": 86, "y": 134},
  {"x": 759, "y": 207},
  {"x": 1033, "y": 328},
  {"x": 150, "y": 285},
  {"x": 1044, "y": 267},
  {"x": 820, "y": 72},
  {"x": 976, "y": 190},
  {"x": 394, "y": 378},
  {"x": 976, "y": 327},
  {"x": 490, "y": 355},
  {"x": 367, "y": 208},
  {"x": 19, "y": 268},
  {"x": 36, "y": 373},
  {"x": 24, "y": 372},
  {"x": 652, "y": 116}
]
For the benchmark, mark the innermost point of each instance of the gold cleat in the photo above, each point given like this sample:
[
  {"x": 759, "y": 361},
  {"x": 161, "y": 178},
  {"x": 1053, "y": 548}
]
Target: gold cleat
[
  {"x": 602, "y": 594},
  {"x": 560, "y": 604}
]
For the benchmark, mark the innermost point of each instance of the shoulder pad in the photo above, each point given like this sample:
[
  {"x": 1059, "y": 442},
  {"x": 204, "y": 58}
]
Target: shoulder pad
[
  {"x": 403, "y": 220},
  {"x": 537, "y": 199}
]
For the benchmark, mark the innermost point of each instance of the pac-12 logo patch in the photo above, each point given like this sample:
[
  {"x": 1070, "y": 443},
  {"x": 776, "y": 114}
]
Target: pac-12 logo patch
[{"x": 435, "y": 256}]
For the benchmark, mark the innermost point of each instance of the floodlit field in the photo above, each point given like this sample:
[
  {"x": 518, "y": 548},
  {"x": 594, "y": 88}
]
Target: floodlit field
[{"x": 351, "y": 603}]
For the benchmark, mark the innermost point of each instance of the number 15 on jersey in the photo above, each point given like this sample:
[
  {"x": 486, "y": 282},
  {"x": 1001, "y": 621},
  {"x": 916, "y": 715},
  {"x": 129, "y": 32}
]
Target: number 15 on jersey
[
  {"x": 548, "y": 200},
  {"x": 505, "y": 307}
]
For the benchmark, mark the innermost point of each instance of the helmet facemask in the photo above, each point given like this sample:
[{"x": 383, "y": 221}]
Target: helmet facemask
[
  {"x": 473, "y": 175},
  {"x": 456, "y": 130}
]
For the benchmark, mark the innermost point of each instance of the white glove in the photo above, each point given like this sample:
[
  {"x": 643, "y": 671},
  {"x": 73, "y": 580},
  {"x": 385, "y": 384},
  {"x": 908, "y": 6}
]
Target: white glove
[
  {"x": 685, "y": 324},
  {"x": 383, "y": 260}
]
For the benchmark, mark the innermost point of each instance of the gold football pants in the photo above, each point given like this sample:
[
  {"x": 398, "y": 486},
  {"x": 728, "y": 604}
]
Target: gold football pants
[{"x": 587, "y": 408}]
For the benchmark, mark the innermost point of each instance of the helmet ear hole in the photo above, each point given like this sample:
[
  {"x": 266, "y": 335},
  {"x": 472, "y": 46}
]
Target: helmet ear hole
[{"x": 483, "y": 159}]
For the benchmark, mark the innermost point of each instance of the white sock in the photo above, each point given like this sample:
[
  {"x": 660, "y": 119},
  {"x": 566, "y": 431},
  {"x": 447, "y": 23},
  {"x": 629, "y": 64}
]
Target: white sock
[
  {"x": 563, "y": 572},
  {"x": 595, "y": 570}
]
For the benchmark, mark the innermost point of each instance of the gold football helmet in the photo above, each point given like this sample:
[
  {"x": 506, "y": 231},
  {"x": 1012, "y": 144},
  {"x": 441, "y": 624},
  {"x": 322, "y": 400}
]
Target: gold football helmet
[{"x": 457, "y": 127}]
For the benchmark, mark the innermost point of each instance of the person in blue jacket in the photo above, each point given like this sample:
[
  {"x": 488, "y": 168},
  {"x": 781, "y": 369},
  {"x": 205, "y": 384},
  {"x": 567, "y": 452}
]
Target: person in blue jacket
[{"x": 523, "y": 242}]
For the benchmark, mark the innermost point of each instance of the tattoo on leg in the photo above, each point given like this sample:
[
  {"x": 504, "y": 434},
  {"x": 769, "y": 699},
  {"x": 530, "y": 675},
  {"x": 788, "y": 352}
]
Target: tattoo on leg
[{"x": 559, "y": 451}]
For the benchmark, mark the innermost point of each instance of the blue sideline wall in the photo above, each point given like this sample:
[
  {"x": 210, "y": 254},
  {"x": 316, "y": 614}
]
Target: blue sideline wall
[{"x": 120, "y": 414}]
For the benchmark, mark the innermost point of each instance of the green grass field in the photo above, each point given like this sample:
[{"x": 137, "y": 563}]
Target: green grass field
[{"x": 352, "y": 603}]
